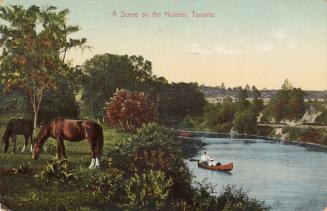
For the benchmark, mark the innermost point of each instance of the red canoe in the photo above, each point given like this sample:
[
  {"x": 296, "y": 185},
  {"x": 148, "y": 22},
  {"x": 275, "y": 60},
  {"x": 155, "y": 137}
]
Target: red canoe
[{"x": 225, "y": 167}]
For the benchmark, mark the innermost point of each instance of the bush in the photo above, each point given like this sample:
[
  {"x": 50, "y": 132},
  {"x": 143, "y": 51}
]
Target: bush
[
  {"x": 50, "y": 147},
  {"x": 130, "y": 110},
  {"x": 157, "y": 148},
  {"x": 149, "y": 190},
  {"x": 245, "y": 121},
  {"x": 106, "y": 187},
  {"x": 322, "y": 118},
  {"x": 236, "y": 199},
  {"x": 225, "y": 127},
  {"x": 58, "y": 170}
]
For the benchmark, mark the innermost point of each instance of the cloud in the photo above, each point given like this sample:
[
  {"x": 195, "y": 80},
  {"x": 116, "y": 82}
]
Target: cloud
[
  {"x": 280, "y": 34},
  {"x": 292, "y": 45},
  {"x": 195, "y": 49},
  {"x": 218, "y": 49},
  {"x": 232, "y": 51},
  {"x": 265, "y": 47}
]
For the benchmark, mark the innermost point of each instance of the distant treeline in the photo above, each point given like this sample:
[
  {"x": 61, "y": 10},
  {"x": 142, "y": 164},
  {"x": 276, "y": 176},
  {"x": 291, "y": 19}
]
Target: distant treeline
[{"x": 219, "y": 92}]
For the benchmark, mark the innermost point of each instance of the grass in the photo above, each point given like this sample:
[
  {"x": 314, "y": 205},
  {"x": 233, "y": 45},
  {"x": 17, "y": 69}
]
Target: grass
[{"x": 26, "y": 191}]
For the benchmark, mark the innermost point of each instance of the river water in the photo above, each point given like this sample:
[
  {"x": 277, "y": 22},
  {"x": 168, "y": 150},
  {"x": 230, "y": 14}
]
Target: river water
[{"x": 286, "y": 176}]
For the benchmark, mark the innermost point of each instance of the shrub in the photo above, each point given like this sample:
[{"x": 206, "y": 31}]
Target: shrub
[
  {"x": 236, "y": 199},
  {"x": 50, "y": 147},
  {"x": 245, "y": 121},
  {"x": 58, "y": 170},
  {"x": 107, "y": 186},
  {"x": 130, "y": 110},
  {"x": 231, "y": 199},
  {"x": 149, "y": 190},
  {"x": 322, "y": 118},
  {"x": 159, "y": 148}
]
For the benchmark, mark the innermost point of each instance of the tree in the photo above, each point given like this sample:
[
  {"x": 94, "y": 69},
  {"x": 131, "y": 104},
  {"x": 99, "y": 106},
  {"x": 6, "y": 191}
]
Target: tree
[
  {"x": 219, "y": 117},
  {"x": 257, "y": 104},
  {"x": 245, "y": 121},
  {"x": 287, "y": 85},
  {"x": 130, "y": 110},
  {"x": 35, "y": 42},
  {"x": 107, "y": 72},
  {"x": 60, "y": 102},
  {"x": 288, "y": 103},
  {"x": 178, "y": 100},
  {"x": 243, "y": 103}
]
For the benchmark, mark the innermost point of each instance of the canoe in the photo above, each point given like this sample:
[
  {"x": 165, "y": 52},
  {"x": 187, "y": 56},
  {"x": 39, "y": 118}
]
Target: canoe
[
  {"x": 224, "y": 167},
  {"x": 185, "y": 134}
]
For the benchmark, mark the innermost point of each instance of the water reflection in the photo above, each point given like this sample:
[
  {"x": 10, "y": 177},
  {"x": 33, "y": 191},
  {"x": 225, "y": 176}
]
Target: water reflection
[{"x": 287, "y": 176}]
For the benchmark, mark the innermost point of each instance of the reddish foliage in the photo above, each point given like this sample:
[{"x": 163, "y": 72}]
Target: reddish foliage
[{"x": 130, "y": 110}]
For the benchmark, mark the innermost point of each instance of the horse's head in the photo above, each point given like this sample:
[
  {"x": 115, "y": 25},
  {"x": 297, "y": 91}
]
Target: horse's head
[{"x": 39, "y": 141}]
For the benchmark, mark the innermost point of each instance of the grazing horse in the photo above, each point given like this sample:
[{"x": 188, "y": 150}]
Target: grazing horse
[
  {"x": 17, "y": 127},
  {"x": 71, "y": 130}
]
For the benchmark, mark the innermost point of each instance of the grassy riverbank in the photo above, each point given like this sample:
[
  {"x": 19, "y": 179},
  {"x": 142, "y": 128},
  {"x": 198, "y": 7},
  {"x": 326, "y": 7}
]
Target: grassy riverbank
[{"x": 142, "y": 171}]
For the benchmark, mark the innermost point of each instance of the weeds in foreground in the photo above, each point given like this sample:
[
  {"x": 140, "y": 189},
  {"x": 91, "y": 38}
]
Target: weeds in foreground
[{"x": 58, "y": 171}]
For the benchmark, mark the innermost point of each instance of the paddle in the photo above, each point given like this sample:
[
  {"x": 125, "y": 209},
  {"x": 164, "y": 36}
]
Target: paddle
[{"x": 194, "y": 159}]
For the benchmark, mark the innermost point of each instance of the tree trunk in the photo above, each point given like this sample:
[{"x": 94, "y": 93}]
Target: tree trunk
[{"x": 35, "y": 118}]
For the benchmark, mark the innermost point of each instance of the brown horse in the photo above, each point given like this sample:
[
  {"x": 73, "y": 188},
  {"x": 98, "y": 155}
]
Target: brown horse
[{"x": 71, "y": 130}]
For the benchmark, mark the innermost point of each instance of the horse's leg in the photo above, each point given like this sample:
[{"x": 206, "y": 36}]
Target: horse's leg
[
  {"x": 25, "y": 143},
  {"x": 58, "y": 151},
  {"x": 92, "y": 146},
  {"x": 97, "y": 156},
  {"x": 62, "y": 147},
  {"x": 14, "y": 142}
]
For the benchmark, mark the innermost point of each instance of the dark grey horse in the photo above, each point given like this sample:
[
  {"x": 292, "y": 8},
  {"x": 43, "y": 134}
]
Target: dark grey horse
[{"x": 17, "y": 127}]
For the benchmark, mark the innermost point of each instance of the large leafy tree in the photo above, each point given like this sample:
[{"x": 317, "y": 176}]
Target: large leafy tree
[
  {"x": 107, "y": 72},
  {"x": 178, "y": 100},
  {"x": 35, "y": 42},
  {"x": 288, "y": 103}
]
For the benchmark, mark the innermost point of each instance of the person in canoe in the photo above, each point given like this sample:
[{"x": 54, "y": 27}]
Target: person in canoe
[{"x": 206, "y": 161}]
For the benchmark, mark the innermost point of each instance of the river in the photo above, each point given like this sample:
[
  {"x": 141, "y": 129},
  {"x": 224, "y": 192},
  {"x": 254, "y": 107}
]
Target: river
[{"x": 285, "y": 176}]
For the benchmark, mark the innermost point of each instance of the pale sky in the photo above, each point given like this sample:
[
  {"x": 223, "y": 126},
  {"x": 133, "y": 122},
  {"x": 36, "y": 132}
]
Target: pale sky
[{"x": 256, "y": 42}]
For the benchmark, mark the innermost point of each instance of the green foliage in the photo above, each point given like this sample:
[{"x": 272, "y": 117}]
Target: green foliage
[
  {"x": 50, "y": 147},
  {"x": 219, "y": 116},
  {"x": 245, "y": 121},
  {"x": 60, "y": 102},
  {"x": 130, "y": 110},
  {"x": 107, "y": 186},
  {"x": 322, "y": 118},
  {"x": 178, "y": 100},
  {"x": 156, "y": 148},
  {"x": 242, "y": 102},
  {"x": 34, "y": 43},
  {"x": 232, "y": 199},
  {"x": 288, "y": 103},
  {"x": 60, "y": 171},
  {"x": 106, "y": 73},
  {"x": 306, "y": 135},
  {"x": 148, "y": 191}
]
